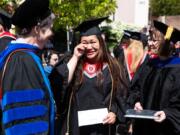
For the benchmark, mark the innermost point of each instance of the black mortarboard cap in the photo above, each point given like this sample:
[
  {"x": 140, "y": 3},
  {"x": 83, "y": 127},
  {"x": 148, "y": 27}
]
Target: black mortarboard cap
[
  {"x": 30, "y": 12},
  {"x": 136, "y": 35},
  {"x": 5, "y": 19},
  {"x": 163, "y": 28},
  {"x": 90, "y": 27}
]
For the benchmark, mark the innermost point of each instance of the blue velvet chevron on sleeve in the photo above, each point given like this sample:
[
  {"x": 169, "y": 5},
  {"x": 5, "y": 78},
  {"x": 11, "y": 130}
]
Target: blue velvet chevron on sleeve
[{"x": 24, "y": 106}]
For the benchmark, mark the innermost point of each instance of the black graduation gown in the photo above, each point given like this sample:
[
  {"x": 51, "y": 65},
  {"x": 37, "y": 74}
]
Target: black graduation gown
[
  {"x": 4, "y": 40},
  {"x": 158, "y": 88},
  {"x": 140, "y": 68},
  {"x": 25, "y": 97},
  {"x": 88, "y": 96},
  {"x": 119, "y": 54}
]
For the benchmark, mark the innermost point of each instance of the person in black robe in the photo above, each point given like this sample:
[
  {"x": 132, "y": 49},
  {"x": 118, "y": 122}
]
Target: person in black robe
[
  {"x": 134, "y": 41},
  {"x": 131, "y": 52},
  {"x": 5, "y": 25},
  {"x": 27, "y": 102},
  {"x": 92, "y": 79},
  {"x": 158, "y": 87}
]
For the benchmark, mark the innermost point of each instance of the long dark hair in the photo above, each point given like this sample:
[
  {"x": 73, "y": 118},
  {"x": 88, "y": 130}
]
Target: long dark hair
[{"x": 118, "y": 76}]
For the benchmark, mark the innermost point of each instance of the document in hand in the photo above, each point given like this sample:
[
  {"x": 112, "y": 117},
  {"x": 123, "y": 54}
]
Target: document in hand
[
  {"x": 144, "y": 114},
  {"x": 91, "y": 117}
]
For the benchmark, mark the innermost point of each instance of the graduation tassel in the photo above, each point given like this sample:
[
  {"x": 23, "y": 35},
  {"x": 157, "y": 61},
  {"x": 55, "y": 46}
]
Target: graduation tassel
[
  {"x": 109, "y": 130},
  {"x": 111, "y": 96},
  {"x": 169, "y": 32},
  {"x": 68, "y": 115}
]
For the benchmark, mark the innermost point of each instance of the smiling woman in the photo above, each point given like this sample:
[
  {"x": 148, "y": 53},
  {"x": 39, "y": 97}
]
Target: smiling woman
[
  {"x": 157, "y": 88},
  {"x": 92, "y": 47},
  {"x": 95, "y": 81}
]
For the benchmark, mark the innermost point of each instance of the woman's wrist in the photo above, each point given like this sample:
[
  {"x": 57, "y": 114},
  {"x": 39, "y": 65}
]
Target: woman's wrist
[{"x": 75, "y": 57}]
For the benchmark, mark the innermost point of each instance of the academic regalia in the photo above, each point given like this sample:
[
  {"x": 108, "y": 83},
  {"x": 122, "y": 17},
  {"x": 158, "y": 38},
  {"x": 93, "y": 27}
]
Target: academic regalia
[
  {"x": 125, "y": 57},
  {"x": 141, "y": 66},
  {"x": 5, "y": 38},
  {"x": 170, "y": 33},
  {"x": 26, "y": 102},
  {"x": 5, "y": 19},
  {"x": 157, "y": 87},
  {"x": 89, "y": 95},
  {"x": 97, "y": 98},
  {"x": 30, "y": 13},
  {"x": 48, "y": 69}
]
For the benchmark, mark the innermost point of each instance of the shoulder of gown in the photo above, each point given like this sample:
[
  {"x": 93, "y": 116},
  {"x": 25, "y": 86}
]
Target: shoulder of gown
[{"x": 25, "y": 102}]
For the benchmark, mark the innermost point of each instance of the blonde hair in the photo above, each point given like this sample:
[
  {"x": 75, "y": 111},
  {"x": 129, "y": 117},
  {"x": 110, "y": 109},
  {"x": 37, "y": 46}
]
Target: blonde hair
[{"x": 137, "y": 52}]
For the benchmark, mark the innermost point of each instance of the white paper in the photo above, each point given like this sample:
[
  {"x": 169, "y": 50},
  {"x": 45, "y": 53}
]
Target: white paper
[{"x": 91, "y": 117}]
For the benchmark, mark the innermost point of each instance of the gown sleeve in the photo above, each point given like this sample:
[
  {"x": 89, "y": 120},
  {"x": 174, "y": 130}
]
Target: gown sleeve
[
  {"x": 4, "y": 42},
  {"x": 59, "y": 75},
  {"x": 172, "y": 110},
  {"x": 119, "y": 105},
  {"x": 137, "y": 83},
  {"x": 25, "y": 103},
  {"x": 59, "y": 83}
]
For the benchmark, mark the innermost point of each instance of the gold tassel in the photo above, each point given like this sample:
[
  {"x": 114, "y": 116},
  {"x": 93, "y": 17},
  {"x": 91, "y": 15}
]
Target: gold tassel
[{"x": 169, "y": 32}]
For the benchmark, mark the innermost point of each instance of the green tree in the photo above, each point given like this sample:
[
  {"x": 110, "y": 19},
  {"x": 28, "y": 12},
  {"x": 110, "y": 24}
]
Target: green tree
[
  {"x": 165, "y": 7},
  {"x": 71, "y": 12}
]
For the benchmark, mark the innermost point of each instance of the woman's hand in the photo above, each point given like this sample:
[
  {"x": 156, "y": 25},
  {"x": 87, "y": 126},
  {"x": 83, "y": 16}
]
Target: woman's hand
[
  {"x": 79, "y": 50},
  {"x": 110, "y": 118},
  {"x": 160, "y": 116},
  {"x": 138, "y": 106}
]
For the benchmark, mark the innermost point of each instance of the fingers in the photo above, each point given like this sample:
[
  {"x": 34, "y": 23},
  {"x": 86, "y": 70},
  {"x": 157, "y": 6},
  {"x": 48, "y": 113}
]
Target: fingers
[
  {"x": 160, "y": 116},
  {"x": 110, "y": 119},
  {"x": 79, "y": 50},
  {"x": 138, "y": 107}
]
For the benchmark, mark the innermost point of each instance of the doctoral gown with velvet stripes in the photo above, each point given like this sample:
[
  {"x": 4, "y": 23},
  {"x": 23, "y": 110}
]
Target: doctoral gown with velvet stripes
[
  {"x": 88, "y": 96},
  {"x": 157, "y": 87},
  {"x": 26, "y": 104}
]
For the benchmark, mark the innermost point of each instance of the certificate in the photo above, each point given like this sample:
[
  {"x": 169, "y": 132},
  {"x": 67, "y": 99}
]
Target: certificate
[{"x": 91, "y": 117}]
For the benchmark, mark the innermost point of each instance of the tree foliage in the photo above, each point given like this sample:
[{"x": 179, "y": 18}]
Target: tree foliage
[
  {"x": 165, "y": 7},
  {"x": 72, "y": 12}
]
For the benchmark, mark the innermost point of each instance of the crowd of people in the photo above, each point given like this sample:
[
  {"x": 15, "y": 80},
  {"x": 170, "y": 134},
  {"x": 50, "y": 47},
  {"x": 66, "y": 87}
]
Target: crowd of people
[{"x": 44, "y": 93}]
